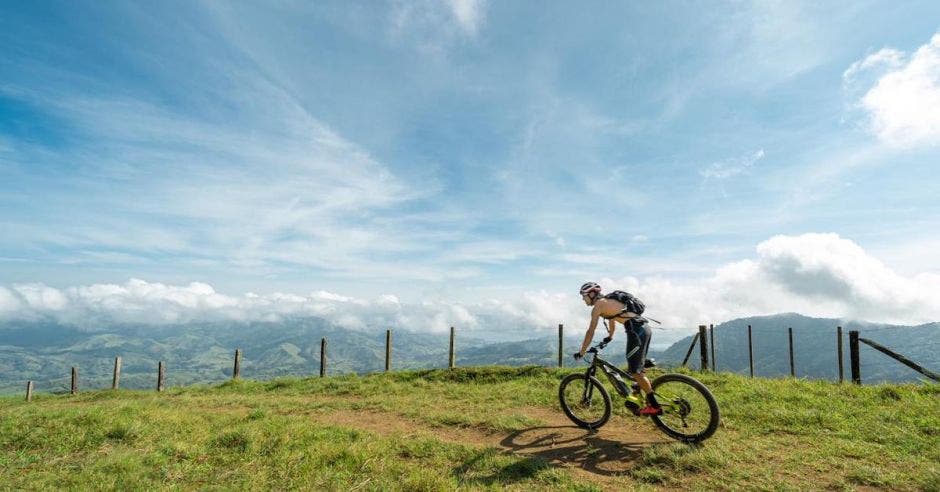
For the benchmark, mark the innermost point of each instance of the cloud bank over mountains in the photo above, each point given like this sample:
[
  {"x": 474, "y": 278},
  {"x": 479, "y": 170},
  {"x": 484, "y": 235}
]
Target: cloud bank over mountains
[{"x": 813, "y": 274}]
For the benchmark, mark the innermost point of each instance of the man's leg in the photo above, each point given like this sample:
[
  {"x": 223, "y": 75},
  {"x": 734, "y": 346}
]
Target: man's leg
[
  {"x": 643, "y": 381},
  {"x": 641, "y": 338}
]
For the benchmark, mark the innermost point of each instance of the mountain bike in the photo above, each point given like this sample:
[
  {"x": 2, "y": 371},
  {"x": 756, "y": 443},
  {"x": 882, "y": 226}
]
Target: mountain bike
[{"x": 690, "y": 413}]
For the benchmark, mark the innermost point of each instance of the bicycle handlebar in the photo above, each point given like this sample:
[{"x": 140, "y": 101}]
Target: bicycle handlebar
[{"x": 597, "y": 347}]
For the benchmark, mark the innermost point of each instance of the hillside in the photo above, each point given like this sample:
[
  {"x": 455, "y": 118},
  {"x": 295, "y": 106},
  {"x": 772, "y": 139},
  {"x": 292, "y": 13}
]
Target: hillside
[{"x": 473, "y": 428}]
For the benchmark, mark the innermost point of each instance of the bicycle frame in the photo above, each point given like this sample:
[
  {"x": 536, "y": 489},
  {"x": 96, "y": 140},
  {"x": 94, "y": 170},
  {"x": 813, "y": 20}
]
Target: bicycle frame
[
  {"x": 634, "y": 399},
  {"x": 609, "y": 370}
]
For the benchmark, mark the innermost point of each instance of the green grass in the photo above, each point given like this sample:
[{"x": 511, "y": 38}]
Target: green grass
[{"x": 781, "y": 434}]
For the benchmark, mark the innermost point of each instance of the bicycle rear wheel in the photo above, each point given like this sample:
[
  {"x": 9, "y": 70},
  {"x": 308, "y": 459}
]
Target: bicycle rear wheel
[
  {"x": 584, "y": 401},
  {"x": 690, "y": 412}
]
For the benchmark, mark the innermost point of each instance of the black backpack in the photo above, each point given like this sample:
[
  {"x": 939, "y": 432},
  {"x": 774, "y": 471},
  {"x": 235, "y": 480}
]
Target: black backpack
[{"x": 629, "y": 301}]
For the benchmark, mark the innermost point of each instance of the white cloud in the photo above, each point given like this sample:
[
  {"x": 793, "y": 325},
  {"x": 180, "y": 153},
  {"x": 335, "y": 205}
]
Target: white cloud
[
  {"x": 41, "y": 297},
  {"x": 470, "y": 14},
  {"x": 885, "y": 58},
  {"x": 813, "y": 274},
  {"x": 731, "y": 167},
  {"x": 534, "y": 309},
  {"x": 434, "y": 26},
  {"x": 557, "y": 238},
  {"x": 903, "y": 105},
  {"x": 9, "y": 302},
  {"x": 139, "y": 301}
]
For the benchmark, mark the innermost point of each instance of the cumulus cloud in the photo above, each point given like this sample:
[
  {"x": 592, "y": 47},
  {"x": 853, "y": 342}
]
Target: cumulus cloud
[
  {"x": 822, "y": 275},
  {"x": 903, "y": 103},
  {"x": 813, "y": 274}
]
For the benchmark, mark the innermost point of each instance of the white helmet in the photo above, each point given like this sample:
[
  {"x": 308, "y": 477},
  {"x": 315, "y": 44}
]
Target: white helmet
[{"x": 590, "y": 287}]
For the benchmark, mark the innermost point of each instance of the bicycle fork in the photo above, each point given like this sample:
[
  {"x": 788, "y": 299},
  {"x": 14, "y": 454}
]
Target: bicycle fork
[{"x": 588, "y": 392}]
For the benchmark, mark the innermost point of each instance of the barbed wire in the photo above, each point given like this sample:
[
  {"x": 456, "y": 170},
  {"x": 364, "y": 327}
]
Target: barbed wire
[{"x": 878, "y": 330}]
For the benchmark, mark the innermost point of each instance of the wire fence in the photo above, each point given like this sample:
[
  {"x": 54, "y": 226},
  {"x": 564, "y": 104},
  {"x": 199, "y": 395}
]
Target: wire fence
[
  {"x": 707, "y": 356},
  {"x": 708, "y": 360}
]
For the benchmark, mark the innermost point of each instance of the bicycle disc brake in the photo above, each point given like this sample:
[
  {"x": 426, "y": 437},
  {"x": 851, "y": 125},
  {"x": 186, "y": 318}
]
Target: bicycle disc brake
[{"x": 684, "y": 410}]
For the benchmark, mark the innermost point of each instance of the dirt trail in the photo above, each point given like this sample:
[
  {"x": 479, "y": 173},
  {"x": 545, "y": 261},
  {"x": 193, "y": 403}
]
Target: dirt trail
[{"x": 601, "y": 457}]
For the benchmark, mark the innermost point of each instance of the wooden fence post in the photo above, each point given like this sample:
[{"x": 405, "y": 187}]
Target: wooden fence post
[
  {"x": 900, "y": 358},
  {"x": 750, "y": 350},
  {"x": 839, "y": 351},
  {"x": 236, "y": 371},
  {"x": 792, "y": 367},
  {"x": 161, "y": 374},
  {"x": 388, "y": 350},
  {"x": 29, "y": 391},
  {"x": 853, "y": 355},
  {"x": 450, "y": 363},
  {"x": 116, "y": 378},
  {"x": 711, "y": 333},
  {"x": 323, "y": 357},
  {"x": 74, "y": 381},
  {"x": 691, "y": 346},
  {"x": 703, "y": 343},
  {"x": 561, "y": 342}
]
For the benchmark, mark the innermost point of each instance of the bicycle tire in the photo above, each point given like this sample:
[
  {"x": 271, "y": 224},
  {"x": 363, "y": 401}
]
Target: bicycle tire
[
  {"x": 714, "y": 414},
  {"x": 568, "y": 408}
]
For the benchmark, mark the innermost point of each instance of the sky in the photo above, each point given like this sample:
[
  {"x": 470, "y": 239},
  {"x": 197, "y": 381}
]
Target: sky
[{"x": 447, "y": 162}]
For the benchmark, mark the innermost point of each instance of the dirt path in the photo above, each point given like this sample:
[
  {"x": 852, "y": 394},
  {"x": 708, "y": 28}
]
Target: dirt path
[{"x": 603, "y": 457}]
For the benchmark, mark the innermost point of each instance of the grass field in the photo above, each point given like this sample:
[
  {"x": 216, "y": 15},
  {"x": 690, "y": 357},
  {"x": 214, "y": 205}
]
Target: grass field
[{"x": 471, "y": 428}]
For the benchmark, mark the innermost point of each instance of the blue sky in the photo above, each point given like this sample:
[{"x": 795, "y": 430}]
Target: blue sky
[{"x": 461, "y": 149}]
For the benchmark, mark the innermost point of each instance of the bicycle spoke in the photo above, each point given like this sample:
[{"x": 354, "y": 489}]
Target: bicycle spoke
[{"x": 584, "y": 401}]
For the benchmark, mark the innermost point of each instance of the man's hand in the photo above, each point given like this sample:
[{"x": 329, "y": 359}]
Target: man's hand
[
  {"x": 608, "y": 339},
  {"x": 577, "y": 355}
]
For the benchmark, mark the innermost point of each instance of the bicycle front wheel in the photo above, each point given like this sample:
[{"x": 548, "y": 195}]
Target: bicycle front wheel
[
  {"x": 690, "y": 412},
  {"x": 584, "y": 401}
]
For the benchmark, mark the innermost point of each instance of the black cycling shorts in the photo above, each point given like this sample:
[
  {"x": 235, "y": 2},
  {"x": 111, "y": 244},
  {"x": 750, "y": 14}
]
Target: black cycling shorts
[{"x": 638, "y": 335}]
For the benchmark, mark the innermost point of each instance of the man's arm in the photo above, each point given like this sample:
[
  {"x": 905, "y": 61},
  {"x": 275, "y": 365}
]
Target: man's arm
[
  {"x": 611, "y": 328},
  {"x": 595, "y": 313}
]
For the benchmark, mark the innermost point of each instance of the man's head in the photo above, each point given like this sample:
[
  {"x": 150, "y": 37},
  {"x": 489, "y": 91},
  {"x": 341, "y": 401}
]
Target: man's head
[{"x": 590, "y": 291}]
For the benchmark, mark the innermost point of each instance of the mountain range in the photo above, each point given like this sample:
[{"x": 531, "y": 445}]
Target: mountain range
[{"x": 45, "y": 351}]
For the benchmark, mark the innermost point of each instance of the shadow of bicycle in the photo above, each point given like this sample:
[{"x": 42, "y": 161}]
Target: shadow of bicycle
[{"x": 574, "y": 446}]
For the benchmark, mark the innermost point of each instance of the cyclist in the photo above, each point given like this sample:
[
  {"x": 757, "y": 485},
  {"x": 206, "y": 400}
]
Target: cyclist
[{"x": 638, "y": 336}]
